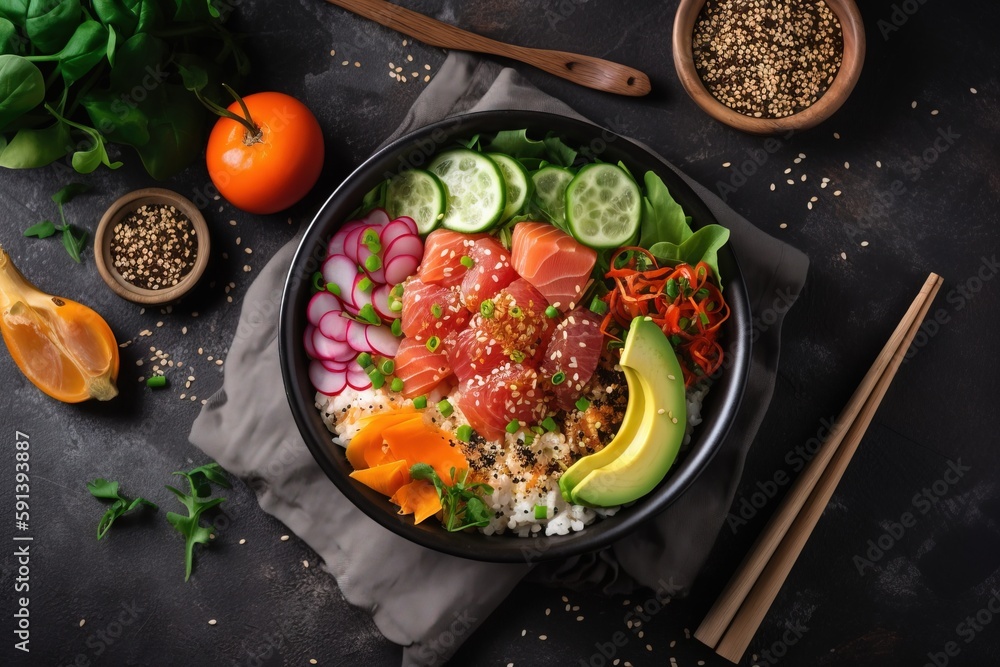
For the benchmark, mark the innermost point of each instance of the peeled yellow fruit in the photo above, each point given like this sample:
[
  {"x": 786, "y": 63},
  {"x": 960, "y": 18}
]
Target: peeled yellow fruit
[{"x": 65, "y": 348}]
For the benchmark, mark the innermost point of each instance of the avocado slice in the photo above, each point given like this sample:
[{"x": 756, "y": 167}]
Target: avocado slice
[
  {"x": 626, "y": 433},
  {"x": 650, "y": 453}
]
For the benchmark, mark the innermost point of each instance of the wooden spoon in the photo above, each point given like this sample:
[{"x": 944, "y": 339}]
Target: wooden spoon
[{"x": 584, "y": 70}]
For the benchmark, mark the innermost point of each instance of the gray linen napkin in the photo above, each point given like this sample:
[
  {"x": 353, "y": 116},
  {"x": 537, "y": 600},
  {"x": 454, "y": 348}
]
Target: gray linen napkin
[{"x": 416, "y": 595}]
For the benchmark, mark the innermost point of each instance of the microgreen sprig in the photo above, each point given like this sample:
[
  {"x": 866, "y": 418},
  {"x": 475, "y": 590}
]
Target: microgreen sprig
[
  {"x": 102, "y": 488},
  {"x": 200, "y": 481},
  {"x": 461, "y": 503}
]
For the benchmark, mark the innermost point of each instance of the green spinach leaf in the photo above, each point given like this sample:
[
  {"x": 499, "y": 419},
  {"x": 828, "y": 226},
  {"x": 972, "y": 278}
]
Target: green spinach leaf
[
  {"x": 16, "y": 11},
  {"x": 37, "y": 148},
  {"x": 87, "y": 47},
  {"x": 41, "y": 230},
  {"x": 50, "y": 23},
  {"x": 702, "y": 246},
  {"x": 22, "y": 87},
  {"x": 663, "y": 218}
]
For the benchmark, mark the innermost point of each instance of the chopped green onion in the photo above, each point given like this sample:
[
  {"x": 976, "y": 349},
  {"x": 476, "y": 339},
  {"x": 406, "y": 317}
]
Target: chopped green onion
[
  {"x": 370, "y": 237},
  {"x": 685, "y": 287},
  {"x": 464, "y": 432},
  {"x": 615, "y": 345},
  {"x": 551, "y": 312},
  {"x": 598, "y": 307},
  {"x": 364, "y": 360},
  {"x": 397, "y": 291},
  {"x": 703, "y": 317},
  {"x": 377, "y": 378},
  {"x": 333, "y": 288},
  {"x": 515, "y": 311},
  {"x": 157, "y": 381},
  {"x": 582, "y": 404},
  {"x": 538, "y": 429},
  {"x": 365, "y": 284},
  {"x": 672, "y": 291},
  {"x": 387, "y": 366},
  {"x": 517, "y": 356},
  {"x": 436, "y": 310},
  {"x": 420, "y": 402},
  {"x": 373, "y": 263},
  {"x": 467, "y": 261},
  {"x": 317, "y": 282},
  {"x": 528, "y": 439},
  {"x": 396, "y": 305},
  {"x": 558, "y": 378},
  {"x": 710, "y": 305},
  {"x": 396, "y": 327},
  {"x": 397, "y": 384},
  {"x": 368, "y": 314},
  {"x": 550, "y": 424},
  {"x": 513, "y": 426},
  {"x": 683, "y": 323},
  {"x": 541, "y": 512},
  {"x": 486, "y": 308},
  {"x": 445, "y": 408},
  {"x": 700, "y": 294},
  {"x": 675, "y": 340},
  {"x": 433, "y": 343}
]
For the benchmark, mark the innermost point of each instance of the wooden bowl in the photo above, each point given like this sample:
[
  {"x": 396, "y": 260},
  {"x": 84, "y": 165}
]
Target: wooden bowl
[
  {"x": 850, "y": 69},
  {"x": 105, "y": 262}
]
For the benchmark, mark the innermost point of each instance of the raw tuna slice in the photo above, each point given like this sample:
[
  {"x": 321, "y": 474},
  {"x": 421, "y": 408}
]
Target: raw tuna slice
[
  {"x": 490, "y": 272},
  {"x": 555, "y": 263},
  {"x": 431, "y": 310},
  {"x": 511, "y": 391},
  {"x": 574, "y": 351}
]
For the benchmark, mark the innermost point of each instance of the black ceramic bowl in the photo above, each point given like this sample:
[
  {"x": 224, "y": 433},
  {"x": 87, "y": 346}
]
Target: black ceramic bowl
[{"x": 415, "y": 150}]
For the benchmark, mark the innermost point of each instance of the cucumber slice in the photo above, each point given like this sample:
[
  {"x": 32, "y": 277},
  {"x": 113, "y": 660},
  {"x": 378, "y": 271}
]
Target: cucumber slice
[
  {"x": 417, "y": 194},
  {"x": 550, "y": 192},
  {"x": 518, "y": 183},
  {"x": 603, "y": 206},
  {"x": 475, "y": 187}
]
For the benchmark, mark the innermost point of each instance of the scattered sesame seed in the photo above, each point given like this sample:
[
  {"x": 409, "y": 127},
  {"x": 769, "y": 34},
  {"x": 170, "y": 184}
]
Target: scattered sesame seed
[
  {"x": 284, "y": 538},
  {"x": 138, "y": 362},
  {"x": 836, "y": 193},
  {"x": 312, "y": 661},
  {"x": 878, "y": 163},
  {"x": 913, "y": 104},
  {"x": 836, "y": 135},
  {"x": 82, "y": 621},
  {"x": 843, "y": 255},
  {"x": 772, "y": 187},
  {"x": 809, "y": 205},
  {"x": 427, "y": 78},
  {"x": 333, "y": 52},
  {"x": 345, "y": 63},
  {"x": 934, "y": 112},
  {"x": 973, "y": 91},
  {"x": 243, "y": 541},
  {"x": 305, "y": 563},
  {"x": 847, "y": 165},
  {"x": 788, "y": 171},
  {"x": 790, "y": 182},
  {"x": 864, "y": 244},
  {"x": 524, "y": 632},
  {"x": 428, "y": 67},
  {"x": 409, "y": 59},
  {"x": 727, "y": 165},
  {"x": 405, "y": 42},
  {"x": 804, "y": 178},
  {"x": 548, "y": 611},
  {"x": 783, "y": 225},
  {"x": 212, "y": 622},
  {"x": 159, "y": 324},
  {"x": 543, "y": 637}
]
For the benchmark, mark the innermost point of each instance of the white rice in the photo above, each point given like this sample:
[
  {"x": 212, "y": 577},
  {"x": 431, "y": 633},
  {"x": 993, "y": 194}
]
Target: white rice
[{"x": 513, "y": 502}]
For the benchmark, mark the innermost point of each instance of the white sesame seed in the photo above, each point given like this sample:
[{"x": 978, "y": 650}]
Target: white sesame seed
[
  {"x": 878, "y": 163},
  {"x": 543, "y": 637},
  {"x": 973, "y": 91},
  {"x": 305, "y": 563},
  {"x": 772, "y": 187},
  {"x": 804, "y": 178},
  {"x": 836, "y": 193},
  {"x": 913, "y": 104},
  {"x": 212, "y": 622},
  {"x": 843, "y": 255},
  {"x": 791, "y": 182},
  {"x": 783, "y": 225},
  {"x": 727, "y": 165},
  {"x": 934, "y": 112},
  {"x": 788, "y": 171},
  {"x": 243, "y": 541},
  {"x": 284, "y": 538},
  {"x": 82, "y": 621},
  {"x": 345, "y": 63},
  {"x": 847, "y": 165},
  {"x": 836, "y": 135},
  {"x": 864, "y": 244}
]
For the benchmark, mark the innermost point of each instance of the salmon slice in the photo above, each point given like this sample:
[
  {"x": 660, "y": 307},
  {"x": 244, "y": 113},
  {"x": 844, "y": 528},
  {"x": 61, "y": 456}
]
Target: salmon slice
[
  {"x": 431, "y": 310},
  {"x": 420, "y": 369},
  {"x": 555, "y": 263},
  {"x": 443, "y": 252}
]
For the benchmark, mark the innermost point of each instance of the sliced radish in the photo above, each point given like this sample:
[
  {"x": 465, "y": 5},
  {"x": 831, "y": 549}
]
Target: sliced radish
[
  {"x": 357, "y": 378},
  {"x": 359, "y": 297},
  {"x": 336, "y": 245},
  {"x": 399, "y": 268},
  {"x": 380, "y": 301},
  {"x": 351, "y": 242},
  {"x": 326, "y": 381},
  {"x": 342, "y": 272},
  {"x": 320, "y": 304},
  {"x": 382, "y": 341},
  {"x": 378, "y": 217},
  {"x": 356, "y": 337},
  {"x": 332, "y": 350},
  {"x": 410, "y": 223},
  {"x": 393, "y": 231},
  {"x": 336, "y": 366},
  {"x": 334, "y": 326},
  {"x": 307, "y": 341},
  {"x": 408, "y": 244}
]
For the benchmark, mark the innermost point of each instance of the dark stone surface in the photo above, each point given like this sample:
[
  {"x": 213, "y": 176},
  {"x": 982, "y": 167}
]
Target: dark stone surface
[{"x": 923, "y": 592}]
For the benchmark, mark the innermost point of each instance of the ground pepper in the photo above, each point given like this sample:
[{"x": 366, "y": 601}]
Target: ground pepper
[
  {"x": 767, "y": 58},
  {"x": 154, "y": 247}
]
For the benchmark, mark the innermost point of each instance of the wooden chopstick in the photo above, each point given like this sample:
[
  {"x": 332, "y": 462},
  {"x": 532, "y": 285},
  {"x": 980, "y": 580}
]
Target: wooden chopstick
[{"x": 733, "y": 602}]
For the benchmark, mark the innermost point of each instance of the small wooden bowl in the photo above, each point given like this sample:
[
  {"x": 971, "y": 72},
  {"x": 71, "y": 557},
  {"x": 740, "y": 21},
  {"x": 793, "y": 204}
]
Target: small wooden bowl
[
  {"x": 850, "y": 69},
  {"x": 116, "y": 213}
]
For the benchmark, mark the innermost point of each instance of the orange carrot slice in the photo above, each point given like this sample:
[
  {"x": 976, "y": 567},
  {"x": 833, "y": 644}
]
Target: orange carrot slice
[
  {"x": 370, "y": 435},
  {"x": 418, "y": 498},
  {"x": 417, "y": 442},
  {"x": 386, "y": 479}
]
